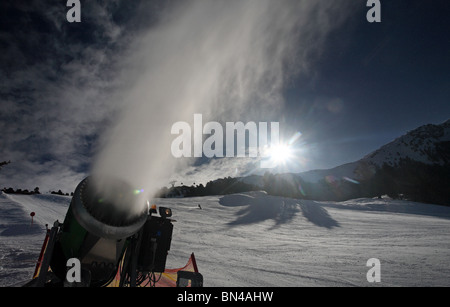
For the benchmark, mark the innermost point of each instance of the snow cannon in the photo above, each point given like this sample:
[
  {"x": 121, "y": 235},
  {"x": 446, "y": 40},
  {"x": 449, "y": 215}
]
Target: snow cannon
[
  {"x": 110, "y": 237},
  {"x": 102, "y": 214}
]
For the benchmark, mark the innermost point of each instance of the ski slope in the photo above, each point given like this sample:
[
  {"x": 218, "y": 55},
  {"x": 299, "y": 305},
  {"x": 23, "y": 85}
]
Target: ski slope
[
  {"x": 21, "y": 242},
  {"x": 254, "y": 239}
]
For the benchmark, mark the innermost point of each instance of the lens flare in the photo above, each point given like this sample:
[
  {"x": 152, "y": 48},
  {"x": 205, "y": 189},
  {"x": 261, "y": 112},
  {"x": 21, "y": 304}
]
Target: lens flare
[
  {"x": 138, "y": 191},
  {"x": 300, "y": 188},
  {"x": 295, "y": 138},
  {"x": 350, "y": 180},
  {"x": 280, "y": 154}
]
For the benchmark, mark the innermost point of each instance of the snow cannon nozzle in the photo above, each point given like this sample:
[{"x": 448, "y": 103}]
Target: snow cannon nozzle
[{"x": 108, "y": 208}]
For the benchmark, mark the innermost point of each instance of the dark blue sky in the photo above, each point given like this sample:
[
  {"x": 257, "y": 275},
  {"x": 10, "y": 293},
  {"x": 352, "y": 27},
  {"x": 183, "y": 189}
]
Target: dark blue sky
[
  {"x": 371, "y": 83},
  {"x": 385, "y": 79}
]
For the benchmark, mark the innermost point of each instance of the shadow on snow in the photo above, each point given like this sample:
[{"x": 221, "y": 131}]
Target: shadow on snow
[{"x": 258, "y": 207}]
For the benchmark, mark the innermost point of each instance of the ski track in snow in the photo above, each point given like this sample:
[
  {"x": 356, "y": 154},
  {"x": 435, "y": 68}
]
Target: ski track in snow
[{"x": 253, "y": 239}]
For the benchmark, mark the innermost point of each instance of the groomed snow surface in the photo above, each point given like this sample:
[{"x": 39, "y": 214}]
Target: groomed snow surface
[{"x": 254, "y": 239}]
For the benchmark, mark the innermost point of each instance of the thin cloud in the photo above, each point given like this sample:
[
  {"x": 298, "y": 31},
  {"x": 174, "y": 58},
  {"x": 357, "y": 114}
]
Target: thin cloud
[
  {"x": 116, "y": 82},
  {"x": 56, "y": 94}
]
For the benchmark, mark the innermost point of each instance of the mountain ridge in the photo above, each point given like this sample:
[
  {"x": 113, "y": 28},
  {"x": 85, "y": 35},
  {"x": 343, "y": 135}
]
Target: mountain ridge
[
  {"x": 428, "y": 144},
  {"x": 423, "y": 144}
]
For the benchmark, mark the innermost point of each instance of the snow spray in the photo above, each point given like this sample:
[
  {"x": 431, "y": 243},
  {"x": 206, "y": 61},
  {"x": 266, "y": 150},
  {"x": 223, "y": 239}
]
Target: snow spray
[{"x": 226, "y": 60}]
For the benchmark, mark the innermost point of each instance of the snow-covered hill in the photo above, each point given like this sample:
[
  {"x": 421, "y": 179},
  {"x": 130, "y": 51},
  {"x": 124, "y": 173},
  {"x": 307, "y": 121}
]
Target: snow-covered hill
[
  {"x": 254, "y": 239},
  {"x": 429, "y": 144},
  {"x": 21, "y": 241}
]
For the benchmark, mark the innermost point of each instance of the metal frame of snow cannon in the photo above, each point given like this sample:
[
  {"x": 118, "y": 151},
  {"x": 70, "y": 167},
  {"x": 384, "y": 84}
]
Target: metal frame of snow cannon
[
  {"x": 43, "y": 265},
  {"x": 147, "y": 251}
]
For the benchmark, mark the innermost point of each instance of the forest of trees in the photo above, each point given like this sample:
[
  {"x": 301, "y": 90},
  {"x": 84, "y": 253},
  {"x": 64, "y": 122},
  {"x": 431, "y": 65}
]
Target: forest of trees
[{"x": 20, "y": 191}]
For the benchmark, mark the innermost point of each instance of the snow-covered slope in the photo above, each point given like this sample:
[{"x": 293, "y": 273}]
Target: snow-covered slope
[
  {"x": 21, "y": 241},
  {"x": 254, "y": 239}
]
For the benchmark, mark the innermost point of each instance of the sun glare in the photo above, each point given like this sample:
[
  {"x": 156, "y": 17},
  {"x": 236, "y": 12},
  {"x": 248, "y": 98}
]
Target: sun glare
[{"x": 280, "y": 154}]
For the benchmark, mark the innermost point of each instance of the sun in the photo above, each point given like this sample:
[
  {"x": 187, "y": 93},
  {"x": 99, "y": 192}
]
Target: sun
[{"x": 280, "y": 154}]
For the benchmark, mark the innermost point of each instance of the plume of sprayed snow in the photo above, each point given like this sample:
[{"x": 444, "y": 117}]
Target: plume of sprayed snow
[{"x": 227, "y": 60}]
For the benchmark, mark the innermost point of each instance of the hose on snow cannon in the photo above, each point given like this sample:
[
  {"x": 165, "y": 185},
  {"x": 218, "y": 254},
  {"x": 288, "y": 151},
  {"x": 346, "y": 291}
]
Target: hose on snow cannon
[{"x": 107, "y": 222}]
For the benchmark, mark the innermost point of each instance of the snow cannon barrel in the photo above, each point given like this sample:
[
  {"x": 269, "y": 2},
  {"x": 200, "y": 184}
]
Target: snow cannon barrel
[
  {"x": 108, "y": 208},
  {"x": 102, "y": 214}
]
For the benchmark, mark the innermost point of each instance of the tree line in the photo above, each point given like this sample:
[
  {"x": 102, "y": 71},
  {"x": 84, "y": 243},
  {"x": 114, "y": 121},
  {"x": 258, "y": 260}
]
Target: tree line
[
  {"x": 32, "y": 192},
  {"x": 410, "y": 180},
  {"x": 26, "y": 191},
  {"x": 221, "y": 186}
]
